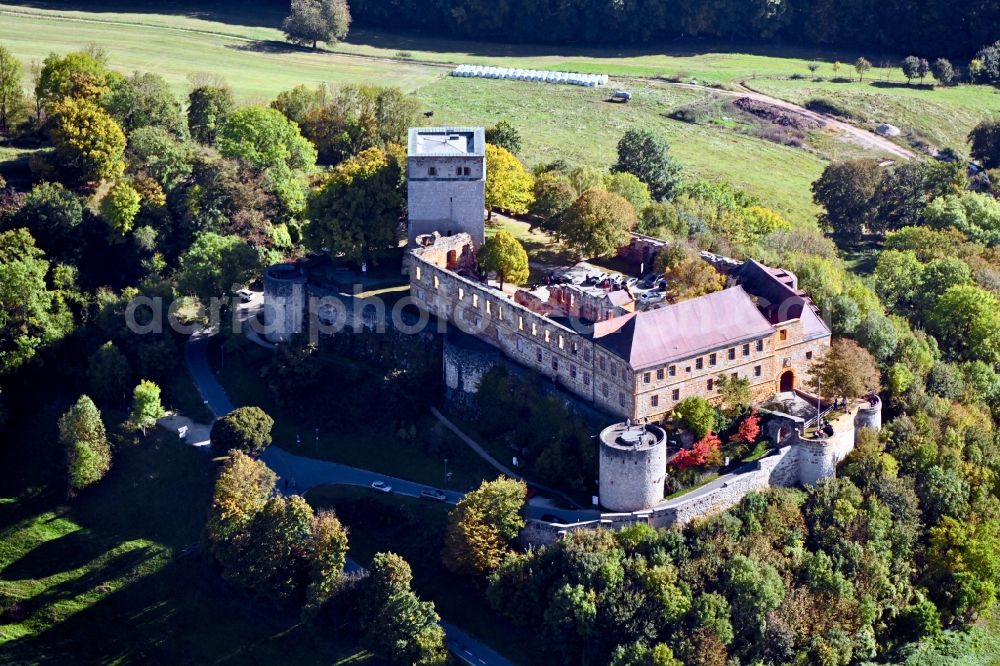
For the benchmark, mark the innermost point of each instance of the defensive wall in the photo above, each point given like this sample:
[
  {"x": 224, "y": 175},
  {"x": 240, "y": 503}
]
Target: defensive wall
[{"x": 798, "y": 461}]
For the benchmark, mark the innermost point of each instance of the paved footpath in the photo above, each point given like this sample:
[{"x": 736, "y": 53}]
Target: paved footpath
[{"x": 303, "y": 473}]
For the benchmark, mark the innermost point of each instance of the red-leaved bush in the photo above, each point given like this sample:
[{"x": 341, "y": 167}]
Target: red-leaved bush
[
  {"x": 704, "y": 453},
  {"x": 749, "y": 429}
]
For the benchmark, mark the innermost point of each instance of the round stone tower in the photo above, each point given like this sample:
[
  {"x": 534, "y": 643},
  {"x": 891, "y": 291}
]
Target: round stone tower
[
  {"x": 284, "y": 301},
  {"x": 633, "y": 464},
  {"x": 868, "y": 416}
]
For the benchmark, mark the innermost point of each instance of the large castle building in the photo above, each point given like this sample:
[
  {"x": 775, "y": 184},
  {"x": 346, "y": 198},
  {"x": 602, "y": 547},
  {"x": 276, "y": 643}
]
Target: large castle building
[{"x": 637, "y": 365}]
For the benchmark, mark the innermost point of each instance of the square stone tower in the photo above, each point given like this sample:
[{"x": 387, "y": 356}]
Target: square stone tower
[{"x": 446, "y": 174}]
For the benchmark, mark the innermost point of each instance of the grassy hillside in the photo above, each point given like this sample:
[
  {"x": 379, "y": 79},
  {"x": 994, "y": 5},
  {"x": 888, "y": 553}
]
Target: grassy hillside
[
  {"x": 943, "y": 116},
  {"x": 125, "y": 554},
  {"x": 579, "y": 126}
]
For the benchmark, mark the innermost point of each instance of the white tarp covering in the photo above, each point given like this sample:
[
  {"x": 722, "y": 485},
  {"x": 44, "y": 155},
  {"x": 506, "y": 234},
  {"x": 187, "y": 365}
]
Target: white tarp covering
[{"x": 479, "y": 71}]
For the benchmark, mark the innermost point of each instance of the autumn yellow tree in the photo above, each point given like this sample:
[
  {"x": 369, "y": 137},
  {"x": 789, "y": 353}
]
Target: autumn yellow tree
[
  {"x": 483, "y": 525},
  {"x": 504, "y": 255},
  {"x": 509, "y": 187},
  {"x": 690, "y": 277},
  {"x": 241, "y": 490},
  {"x": 87, "y": 139}
]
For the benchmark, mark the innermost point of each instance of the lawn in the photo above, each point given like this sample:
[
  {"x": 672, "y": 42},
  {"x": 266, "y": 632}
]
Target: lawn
[
  {"x": 415, "y": 529},
  {"x": 375, "y": 446},
  {"x": 125, "y": 553},
  {"x": 176, "y": 47},
  {"x": 579, "y": 126}
]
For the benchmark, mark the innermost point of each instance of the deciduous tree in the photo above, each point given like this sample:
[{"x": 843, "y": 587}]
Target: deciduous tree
[
  {"x": 214, "y": 264},
  {"x": 966, "y": 322},
  {"x": 242, "y": 488},
  {"x": 504, "y": 255},
  {"x": 78, "y": 75},
  {"x": 12, "y": 105},
  {"x": 88, "y": 453},
  {"x": 357, "y": 211},
  {"x": 87, "y": 140},
  {"x": 984, "y": 140},
  {"x": 120, "y": 207},
  {"x": 598, "y": 223},
  {"x": 31, "y": 316},
  {"x": 553, "y": 196},
  {"x": 846, "y": 370},
  {"x": 691, "y": 277},
  {"x": 398, "y": 626},
  {"x": 862, "y": 65},
  {"x": 108, "y": 372},
  {"x": 943, "y": 71},
  {"x": 483, "y": 525},
  {"x": 697, "y": 414},
  {"x": 313, "y": 21},
  {"x": 144, "y": 100},
  {"x": 647, "y": 156},
  {"x": 329, "y": 555},
  {"x": 209, "y": 108},
  {"x": 629, "y": 187},
  {"x": 845, "y": 191},
  {"x": 504, "y": 135},
  {"x": 509, "y": 186},
  {"x": 245, "y": 429},
  {"x": 146, "y": 405}
]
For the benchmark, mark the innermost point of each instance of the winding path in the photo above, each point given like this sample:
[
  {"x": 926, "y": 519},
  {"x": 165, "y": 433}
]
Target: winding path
[{"x": 851, "y": 133}]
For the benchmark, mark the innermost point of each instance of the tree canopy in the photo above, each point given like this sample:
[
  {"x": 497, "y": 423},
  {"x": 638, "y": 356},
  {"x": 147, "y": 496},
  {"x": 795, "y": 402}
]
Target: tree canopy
[
  {"x": 88, "y": 452},
  {"x": 509, "y": 187},
  {"x": 357, "y": 211},
  {"x": 483, "y": 525},
  {"x": 598, "y": 223},
  {"x": 312, "y": 21},
  {"x": 847, "y": 370},
  {"x": 647, "y": 156},
  {"x": 245, "y": 429},
  {"x": 504, "y": 255}
]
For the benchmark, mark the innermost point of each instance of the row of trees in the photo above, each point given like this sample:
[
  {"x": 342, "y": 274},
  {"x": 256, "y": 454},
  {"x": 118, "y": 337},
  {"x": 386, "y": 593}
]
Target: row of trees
[
  {"x": 887, "y": 26},
  {"x": 283, "y": 551}
]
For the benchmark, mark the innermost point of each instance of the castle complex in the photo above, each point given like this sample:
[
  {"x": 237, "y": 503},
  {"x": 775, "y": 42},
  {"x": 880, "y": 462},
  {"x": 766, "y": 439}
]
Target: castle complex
[{"x": 599, "y": 344}]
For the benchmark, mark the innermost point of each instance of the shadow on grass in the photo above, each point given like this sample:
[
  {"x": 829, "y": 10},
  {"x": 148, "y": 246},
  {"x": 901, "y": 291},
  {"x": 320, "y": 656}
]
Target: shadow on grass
[
  {"x": 897, "y": 84},
  {"x": 266, "y": 13},
  {"x": 272, "y": 46}
]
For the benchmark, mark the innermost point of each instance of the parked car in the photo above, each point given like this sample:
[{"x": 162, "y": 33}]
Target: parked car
[
  {"x": 245, "y": 295},
  {"x": 433, "y": 494},
  {"x": 631, "y": 282},
  {"x": 382, "y": 487},
  {"x": 648, "y": 297}
]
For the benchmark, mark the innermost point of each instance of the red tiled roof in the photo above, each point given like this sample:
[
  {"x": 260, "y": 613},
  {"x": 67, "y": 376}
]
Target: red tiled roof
[{"x": 683, "y": 330}]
